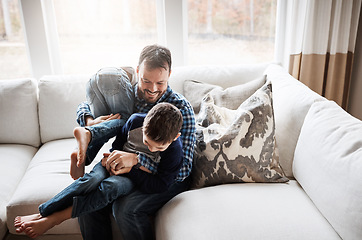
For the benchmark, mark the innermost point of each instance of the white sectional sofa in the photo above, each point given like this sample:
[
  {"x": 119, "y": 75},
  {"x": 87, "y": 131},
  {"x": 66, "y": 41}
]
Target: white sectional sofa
[{"x": 320, "y": 151}]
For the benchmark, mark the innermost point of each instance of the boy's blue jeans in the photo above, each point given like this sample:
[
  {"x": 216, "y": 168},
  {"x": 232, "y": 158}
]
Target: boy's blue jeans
[
  {"x": 108, "y": 91},
  {"x": 92, "y": 192}
]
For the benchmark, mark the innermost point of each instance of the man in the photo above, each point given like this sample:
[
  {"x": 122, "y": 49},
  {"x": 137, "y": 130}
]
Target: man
[{"x": 132, "y": 212}]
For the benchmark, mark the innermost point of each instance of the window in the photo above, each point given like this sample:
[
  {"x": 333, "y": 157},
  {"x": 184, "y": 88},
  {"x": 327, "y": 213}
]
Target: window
[
  {"x": 231, "y": 31},
  {"x": 82, "y": 36},
  {"x": 94, "y": 34},
  {"x": 14, "y": 62}
]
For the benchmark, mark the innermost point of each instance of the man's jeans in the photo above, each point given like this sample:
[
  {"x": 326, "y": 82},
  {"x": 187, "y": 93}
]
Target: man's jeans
[
  {"x": 108, "y": 91},
  {"x": 93, "y": 191},
  {"x": 132, "y": 214}
]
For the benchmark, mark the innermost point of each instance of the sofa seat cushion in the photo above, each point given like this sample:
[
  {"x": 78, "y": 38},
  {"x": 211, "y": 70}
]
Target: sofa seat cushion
[
  {"x": 328, "y": 165},
  {"x": 243, "y": 211},
  {"x": 47, "y": 174},
  {"x": 14, "y": 160}
]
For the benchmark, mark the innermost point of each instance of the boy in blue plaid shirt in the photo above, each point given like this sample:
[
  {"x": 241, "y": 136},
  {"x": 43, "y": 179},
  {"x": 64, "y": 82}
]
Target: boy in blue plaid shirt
[{"x": 132, "y": 212}]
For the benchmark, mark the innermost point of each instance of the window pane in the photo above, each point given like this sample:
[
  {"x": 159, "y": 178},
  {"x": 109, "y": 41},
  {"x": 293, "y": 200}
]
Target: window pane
[
  {"x": 14, "y": 61},
  {"x": 231, "y": 31},
  {"x": 94, "y": 34}
]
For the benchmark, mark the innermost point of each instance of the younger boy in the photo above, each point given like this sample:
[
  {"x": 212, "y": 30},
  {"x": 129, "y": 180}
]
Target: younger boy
[{"x": 156, "y": 134}]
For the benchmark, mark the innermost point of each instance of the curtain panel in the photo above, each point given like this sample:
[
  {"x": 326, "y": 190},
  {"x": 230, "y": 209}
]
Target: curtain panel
[{"x": 320, "y": 38}]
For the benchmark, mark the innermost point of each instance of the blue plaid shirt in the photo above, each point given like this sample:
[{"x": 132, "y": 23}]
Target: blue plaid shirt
[{"x": 187, "y": 130}]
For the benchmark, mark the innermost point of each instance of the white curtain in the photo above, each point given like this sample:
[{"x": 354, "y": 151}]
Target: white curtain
[{"x": 315, "y": 40}]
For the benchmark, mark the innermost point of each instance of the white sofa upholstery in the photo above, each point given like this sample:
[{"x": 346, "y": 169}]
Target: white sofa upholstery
[{"x": 36, "y": 141}]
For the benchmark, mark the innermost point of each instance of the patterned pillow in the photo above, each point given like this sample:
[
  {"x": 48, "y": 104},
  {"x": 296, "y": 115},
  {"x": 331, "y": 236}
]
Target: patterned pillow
[{"x": 237, "y": 145}]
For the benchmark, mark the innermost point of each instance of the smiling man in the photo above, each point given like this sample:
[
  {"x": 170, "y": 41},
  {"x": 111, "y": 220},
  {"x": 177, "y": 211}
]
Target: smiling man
[{"x": 132, "y": 212}]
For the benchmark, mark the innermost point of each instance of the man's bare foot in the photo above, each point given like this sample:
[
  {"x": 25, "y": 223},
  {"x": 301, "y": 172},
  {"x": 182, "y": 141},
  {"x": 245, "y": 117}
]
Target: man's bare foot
[
  {"x": 75, "y": 171},
  {"x": 18, "y": 221},
  {"x": 38, "y": 227},
  {"x": 83, "y": 137}
]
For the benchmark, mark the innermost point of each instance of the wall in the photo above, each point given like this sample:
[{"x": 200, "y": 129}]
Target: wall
[{"x": 355, "y": 97}]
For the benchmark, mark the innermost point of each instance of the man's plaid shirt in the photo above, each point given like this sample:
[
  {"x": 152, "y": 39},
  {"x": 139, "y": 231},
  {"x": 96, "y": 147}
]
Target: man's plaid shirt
[{"x": 187, "y": 131}]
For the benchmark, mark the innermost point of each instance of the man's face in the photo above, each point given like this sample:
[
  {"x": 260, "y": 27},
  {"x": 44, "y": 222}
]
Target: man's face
[{"x": 152, "y": 83}]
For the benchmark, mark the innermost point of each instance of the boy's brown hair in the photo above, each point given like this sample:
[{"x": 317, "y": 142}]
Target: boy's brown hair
[{"x": 162, "y": 123}]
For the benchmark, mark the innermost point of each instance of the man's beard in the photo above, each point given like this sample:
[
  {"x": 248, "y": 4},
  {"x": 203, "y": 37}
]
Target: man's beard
[{"x": 151, "y": 97}]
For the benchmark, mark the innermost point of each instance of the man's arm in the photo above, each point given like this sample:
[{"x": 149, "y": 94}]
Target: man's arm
[
  {"x": 168, "y": 169},
  {"x": 188, "y": 140}
]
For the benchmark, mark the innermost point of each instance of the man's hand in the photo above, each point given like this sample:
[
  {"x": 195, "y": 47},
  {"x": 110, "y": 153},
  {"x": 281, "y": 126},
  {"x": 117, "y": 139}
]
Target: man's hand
[
  {"x": 119, "y": 171},
  {"x": 118, "y": 160},
  {"x": 90, "y": 121}
]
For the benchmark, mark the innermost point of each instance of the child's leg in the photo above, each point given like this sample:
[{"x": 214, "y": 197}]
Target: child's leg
[
  {"x": 75, "y": 171},
  {"x": 110, "y": 91},
  {"x": 100, "y": 134},
  {"x": 36, "y": 227},
  {"x": 77, "y": 158},
  {"x": 83, "y": 185},
  {"x": 90, "y": 140},
  {"x": 109, "y": 190}
]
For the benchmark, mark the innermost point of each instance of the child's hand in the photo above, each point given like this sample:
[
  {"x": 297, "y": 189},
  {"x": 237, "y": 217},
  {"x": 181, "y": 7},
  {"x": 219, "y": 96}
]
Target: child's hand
[
  {"x": 104, "y": 159},
  {"x": 90, "y": 121}
]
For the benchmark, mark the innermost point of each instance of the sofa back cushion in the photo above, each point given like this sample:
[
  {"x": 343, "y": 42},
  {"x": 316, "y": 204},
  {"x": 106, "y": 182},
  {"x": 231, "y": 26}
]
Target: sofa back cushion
[
  {"x": 328, "y": 165},
  {"x": 19, "y": 112},
  {"x": 230, "y": 98},
  {"x": 59, "y": 97},
  {"x": 291, "y": 101},
  {"x": 224, "y": 76}
]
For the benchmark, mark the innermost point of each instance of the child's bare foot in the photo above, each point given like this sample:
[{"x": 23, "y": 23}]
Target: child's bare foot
[
  {"x": 83, "y": 137},
  {"x": 38, "y": 227},
  {"x": 18, "y": 221},
  {"x": 75, "y": 171}
]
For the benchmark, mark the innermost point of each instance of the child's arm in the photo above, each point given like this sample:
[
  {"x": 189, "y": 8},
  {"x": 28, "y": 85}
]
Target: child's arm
[{"x": 168, "y": 169}]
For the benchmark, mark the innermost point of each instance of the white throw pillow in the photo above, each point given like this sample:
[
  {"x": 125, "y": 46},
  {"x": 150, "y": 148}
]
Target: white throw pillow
[
  {"x": 328, "y": 165},
  {"x": 230, "y": 97},
  {"x": 19, "y": 112},
  {"x": 237, "y": 145}
]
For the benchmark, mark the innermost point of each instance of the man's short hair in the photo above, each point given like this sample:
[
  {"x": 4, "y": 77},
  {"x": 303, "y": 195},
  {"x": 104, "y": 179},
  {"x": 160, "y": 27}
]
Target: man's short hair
[
  {"x": 162, "y": 123},
  {"x": 156, "y": 56}
]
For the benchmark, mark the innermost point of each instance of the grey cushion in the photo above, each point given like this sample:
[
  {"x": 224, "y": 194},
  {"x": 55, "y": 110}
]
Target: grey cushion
[{"x": 230, "y": 97}]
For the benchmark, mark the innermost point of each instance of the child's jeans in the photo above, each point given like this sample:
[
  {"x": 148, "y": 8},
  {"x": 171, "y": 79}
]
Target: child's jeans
[
  {"x": 108, "y": 91},
  {"x": 101, "y": 133},
  {"x": 92, "y": 192}
]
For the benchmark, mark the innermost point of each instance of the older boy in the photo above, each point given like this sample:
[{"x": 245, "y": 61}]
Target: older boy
[{"x": 155, "y": 134}]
